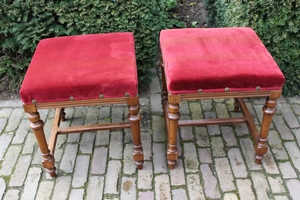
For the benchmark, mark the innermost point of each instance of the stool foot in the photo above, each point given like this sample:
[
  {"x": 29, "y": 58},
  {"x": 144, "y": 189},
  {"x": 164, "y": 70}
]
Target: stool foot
[
  {"x": 134, "y": 119},
  {"x": 48, "y": 160}
]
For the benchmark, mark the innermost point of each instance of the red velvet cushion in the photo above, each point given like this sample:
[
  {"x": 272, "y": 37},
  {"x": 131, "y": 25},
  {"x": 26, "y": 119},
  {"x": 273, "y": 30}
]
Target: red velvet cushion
[
  {"x": 212, "y": 59},
  {"x": 82, "y": 67}
]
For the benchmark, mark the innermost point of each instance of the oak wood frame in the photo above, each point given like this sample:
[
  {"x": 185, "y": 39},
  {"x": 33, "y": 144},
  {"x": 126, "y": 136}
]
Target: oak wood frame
[
  {"x": 171, "y": 102},
  {"x": 47, "y": 150}
]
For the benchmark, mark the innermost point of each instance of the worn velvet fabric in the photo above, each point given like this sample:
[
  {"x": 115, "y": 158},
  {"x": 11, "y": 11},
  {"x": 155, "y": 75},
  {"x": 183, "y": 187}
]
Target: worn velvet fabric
[
  {"x": 82, "y": 67},
  {"x": 212, "y": 59}
]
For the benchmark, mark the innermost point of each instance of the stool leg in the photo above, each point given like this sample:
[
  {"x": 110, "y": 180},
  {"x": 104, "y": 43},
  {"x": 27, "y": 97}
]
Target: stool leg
[
  {"x": 261, "y": 146},
  {"x": 236, "y": 105},
  {"x": 48, "y": 160},
  {"x": 173, "y": 117},
  {"x": 134, "y": 119},
  {"x": 62, "y": 115}
]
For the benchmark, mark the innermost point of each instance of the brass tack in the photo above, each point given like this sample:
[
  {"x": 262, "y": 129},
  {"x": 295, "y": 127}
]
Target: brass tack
[
  {"x": 101, "y": 96},
  {"x": 258, "y": 88},
  {"x": 227, "y": 89},
  {"x": 200, "y": 91},
  {"x": 33, "y": 101},
  {"x": 72, "y": 98},
  {"x": 127, "y": 95}
]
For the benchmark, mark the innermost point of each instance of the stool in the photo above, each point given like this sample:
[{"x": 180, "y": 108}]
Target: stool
[
  {"x": 214, "y": 63},
  {"x": 86, "y": 70}
]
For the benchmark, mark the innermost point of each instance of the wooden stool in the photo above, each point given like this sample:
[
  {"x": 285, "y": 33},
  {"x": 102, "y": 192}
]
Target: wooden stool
[
  {"x": 217, "y": 63},
  {"x": 86, "y": 70}
]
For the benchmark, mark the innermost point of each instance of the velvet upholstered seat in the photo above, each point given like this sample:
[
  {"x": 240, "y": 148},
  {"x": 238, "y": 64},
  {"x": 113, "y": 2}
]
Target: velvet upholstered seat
[
  {"x": 85, "y": 70},
  {"x": 207, "y": 63}
]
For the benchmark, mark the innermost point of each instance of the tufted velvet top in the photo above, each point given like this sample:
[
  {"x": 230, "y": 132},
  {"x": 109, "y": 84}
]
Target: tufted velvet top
[
  {"x": 81, "y": 67},
  {"x": 212, "y": 59}
]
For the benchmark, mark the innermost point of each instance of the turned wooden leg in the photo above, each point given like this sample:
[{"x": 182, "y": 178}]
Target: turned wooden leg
[
  {"x": 62, "y": 115},
  {"x": 261, "y": 146},
  {"x": 236, "y": 105},
  {"x": 173, "y": 117},
  {"x": 48, "y": 160},
  {"x": 134, "y": 119}
]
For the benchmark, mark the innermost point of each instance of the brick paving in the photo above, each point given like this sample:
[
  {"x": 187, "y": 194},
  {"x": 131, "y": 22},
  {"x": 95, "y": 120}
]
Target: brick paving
[{"x": 215, "y": 162}]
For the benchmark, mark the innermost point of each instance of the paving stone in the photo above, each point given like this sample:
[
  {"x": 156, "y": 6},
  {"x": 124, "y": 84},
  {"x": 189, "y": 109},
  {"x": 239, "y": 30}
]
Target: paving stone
[
  {"x": 77, "y": 194},
  {"x": 196, "y": 110},
  {"x": 260, "y": 184},
  {"x": 237, "y": 163},
  {"x": 179, "y": 194},
  {"x": 162, "y": 187},
  {"x": 31, "y": 183},
  {"x": 10, "y": 160},
  {"x": 212, "y": 129},
  {"x": 18, "y": 177},
  {"x": 186, "y": 132},
  {"x": 275, "y": 144},
  {"x": 5, "y": 112},
  {"x": 148, "y": 195},
  {"x": 276, "y": 184},
  {"x": 296, "y": 109},
  {"x": 269, "y": 164},
  {"x": 282, "y": 128},
  {"x": 147, "y": 145},
  {"x": 294, "y": 153},
  {"x": 191, "y": 163},
  {"x": 116, "y": 145},
  {"x": 14, "y": 120},
  {"x": 225, "y": 174},
  {"x": 217, "y": 147},
  {"x": 3, "y": 122},
  {"x": 68, "y": 159},
  {"x": 281, "y": 198},
  {"x": 61, "y": 188},
  {"x": 81, "y": 171},
  {"x": 30, "y": 142},
  {"x": 296, "y": 132},
  {"x": 159, "y": 158},
  {"x": 289, "y": 116},
  {"x": 102, "y": 138},
  {"x": 2, "y": 187},
  {"x": 99, "y": 161},
  {"x": 145, "y": 176},
  {"x": 156, "y": 106},
  {"x": 45, "y": 190},
  {"x": 95, "y": 188},
  {"x": 5, "y": 140},
  {"x": 128, "y": 188},
  {"x": 91, "y": 115},
  {"x": 75, "y": 137},
  {"x": 206, "y": 104},
  {"x": 255, "y": 115},
  {"x": 221, "y": 110},
  {"x": 228, "y": 136},
  {"x": 230, "y": 196},
  {"x": 184, "y": 107},
  {"x": 21, "y": 132},
  {"x": 259, "y": 113},
  {"x": 12, "y": 194},
  {"x": 111, "y": 178},
  {"x": 158, "y": 128},
  {"x": 202, "y": 136},
  {"x": 87, "y": 143},
  {"x": 155, "y": 86},
  {"x": 195, "y": 189},
  {"x": 116, "y": 114},
  {"x": 293, "y": 186},
  {"x": 129, "y": 164},
  {"x": 248, "y": 151},
  {"x": 177, "y": 174},
  {"x": 287, "y": 170},
  {"x": 104, "y": 112},
  {"x": 211, "y": 187},
  {"x": 241, "y": 129},
  {"x": 204, "y": 155},
  {"x": 245, "y": 189}
]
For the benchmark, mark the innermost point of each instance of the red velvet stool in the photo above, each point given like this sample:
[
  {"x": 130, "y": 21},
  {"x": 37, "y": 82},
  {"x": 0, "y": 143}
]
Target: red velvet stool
[
  {"x": 86, "y": 70},
  {"x": 217, "y": 63}
]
